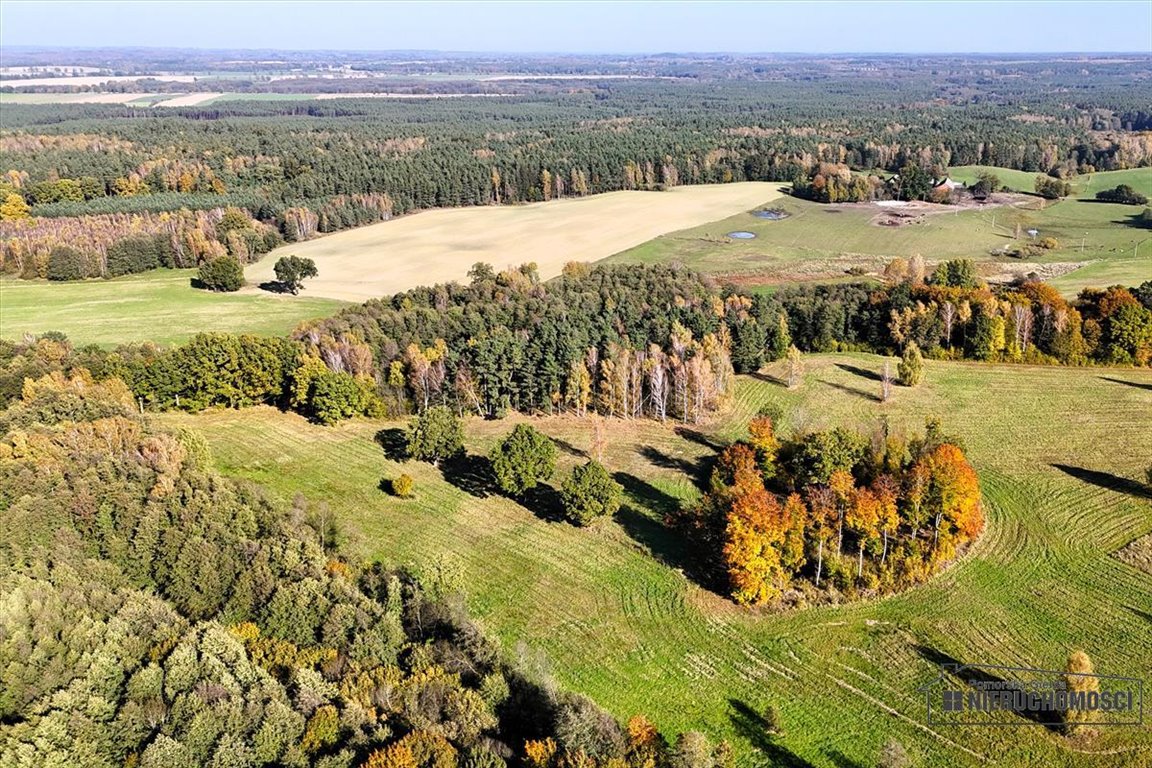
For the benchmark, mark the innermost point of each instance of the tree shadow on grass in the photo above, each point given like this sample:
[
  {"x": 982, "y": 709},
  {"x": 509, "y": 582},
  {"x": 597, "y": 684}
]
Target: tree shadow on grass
[
  {"x": 749, "y": 724},
  {"x": 698, "y": 437},
  {"x": 1142, "y": 614},
  {"x": 697, "y": 470},
  {"x": 394, "y": 441},
  {"x": 1106, "y": 480},
  {"x": 853, "y": 391},
  {"x": 841, "y": 760},
  {"x": 760, "y": 376},
  {"x": 650, "y": 531},
  {"x": 647, "y": 495},
  {"x": 568, "y": 448},
  {"x": 970, "y": 675},
  {"x": 543, "y": 501},
  {"x": 274, "y": 286},
  {"x": 862, "y": 372},
  {"x": 471, "y": 474},
  {"x": 1136, "y": 384}
]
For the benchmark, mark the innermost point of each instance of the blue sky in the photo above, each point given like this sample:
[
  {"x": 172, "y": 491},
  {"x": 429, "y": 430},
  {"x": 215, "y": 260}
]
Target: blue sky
[{"x": 591, "y": 27}]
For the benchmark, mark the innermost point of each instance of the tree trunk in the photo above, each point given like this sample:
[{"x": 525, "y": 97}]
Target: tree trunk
[{"x": 819, "y": 561}]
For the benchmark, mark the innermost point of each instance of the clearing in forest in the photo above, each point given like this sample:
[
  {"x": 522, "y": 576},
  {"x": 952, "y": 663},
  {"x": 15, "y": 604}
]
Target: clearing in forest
[
  {"x": 440, "y": 245},
  {"x": 1098, "y": 244},
  {"x": 616, "y": 618}
]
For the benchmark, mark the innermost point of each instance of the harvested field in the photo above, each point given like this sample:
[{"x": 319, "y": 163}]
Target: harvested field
[{"x": 440, "y": 245}]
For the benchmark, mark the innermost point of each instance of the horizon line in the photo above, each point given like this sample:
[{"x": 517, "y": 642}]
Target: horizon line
[{"x": 936, "y": 52}]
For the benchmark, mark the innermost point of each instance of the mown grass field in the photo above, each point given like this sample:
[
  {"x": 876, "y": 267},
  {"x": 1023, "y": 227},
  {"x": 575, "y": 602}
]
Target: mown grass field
[
  {"x": 440, "y": 245},
  {"x": 821, "y": 242},
  {"x": 159, "y": 306},
  {"x": 1057, "y": 449}
]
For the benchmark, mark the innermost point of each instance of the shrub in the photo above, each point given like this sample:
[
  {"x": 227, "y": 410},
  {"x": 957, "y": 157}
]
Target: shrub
[
  {"x": 772, "y": 720},
  {"x": 1052, "y": 189},
  {"x": 1049, "y": 243},
  {"x": 590, "y": 493},
  {"x": 523, "y": 458},
  {"x": 66, "y": 263},
  {"x": 1123, "y": 194},
  {"x": 402, "y": 486},
  {"x": 223, "y": 273}
]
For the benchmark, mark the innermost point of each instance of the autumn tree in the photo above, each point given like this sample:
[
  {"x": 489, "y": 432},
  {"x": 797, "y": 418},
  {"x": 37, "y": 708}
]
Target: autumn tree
[
  {"x": 402, "y": 486},
  {"x": 953, "y": 493},
  {"x": 1080, "y": 679},
  {"x": 911, "y": 367},
  {"x": 522, "y": 459},
  {"x": 795, "y": 366},
  {"x": 754, "y": 531},
  {"x": 14, "y": 207},
  {"x": 863, "y": 520},
  {"x": 762, "y": 437}
]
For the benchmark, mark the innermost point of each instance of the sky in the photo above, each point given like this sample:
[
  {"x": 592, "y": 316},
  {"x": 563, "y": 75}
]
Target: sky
[{"x": 590, "y": 27}]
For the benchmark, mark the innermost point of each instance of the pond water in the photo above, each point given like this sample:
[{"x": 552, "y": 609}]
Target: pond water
[
  {"x": 742, "y": 235},
  {"x": 771, "y": 215}
]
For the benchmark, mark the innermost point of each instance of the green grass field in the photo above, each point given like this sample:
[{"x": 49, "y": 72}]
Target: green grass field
[
  {"x": 159, "y": 306},
  {"x": 1057, "y": 450},
  {"x": 821, "y": 242}
]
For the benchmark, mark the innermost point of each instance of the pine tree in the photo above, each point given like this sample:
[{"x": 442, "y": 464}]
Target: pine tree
[{"x": 911, "y": 367}]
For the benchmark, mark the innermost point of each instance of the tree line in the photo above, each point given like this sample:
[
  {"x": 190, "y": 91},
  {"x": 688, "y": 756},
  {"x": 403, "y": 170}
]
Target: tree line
[
  {"x": 111, "y": 245},
  {"x": 656, "y": 342}
]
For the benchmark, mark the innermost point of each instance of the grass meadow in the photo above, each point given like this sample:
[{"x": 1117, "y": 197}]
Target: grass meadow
[
  {"x": 821, "y": 242},
  {"x": 159, "y": 306},
  {"x": 610, "y": 612}
]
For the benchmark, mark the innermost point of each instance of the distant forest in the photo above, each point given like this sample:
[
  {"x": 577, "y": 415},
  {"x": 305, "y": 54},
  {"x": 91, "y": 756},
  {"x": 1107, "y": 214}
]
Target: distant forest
[{"x": 306, "y": 167}]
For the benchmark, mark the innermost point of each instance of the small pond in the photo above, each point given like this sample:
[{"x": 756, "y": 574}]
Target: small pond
[
  {"x": 771, "y": 215},
  {"x": 742, "y": 235}
]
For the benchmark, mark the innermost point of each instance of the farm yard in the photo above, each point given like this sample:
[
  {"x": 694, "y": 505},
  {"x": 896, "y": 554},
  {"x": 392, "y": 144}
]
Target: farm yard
[
  {"x": 440, "y": 245},
  {"x": 159, "y": 306},
  {"x": 816, "y": 241},
  {"x": 610, "y": 612}
]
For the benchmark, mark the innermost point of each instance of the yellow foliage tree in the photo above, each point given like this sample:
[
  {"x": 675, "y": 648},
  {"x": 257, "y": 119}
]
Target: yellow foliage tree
[{"x": 14, "y": 207}]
